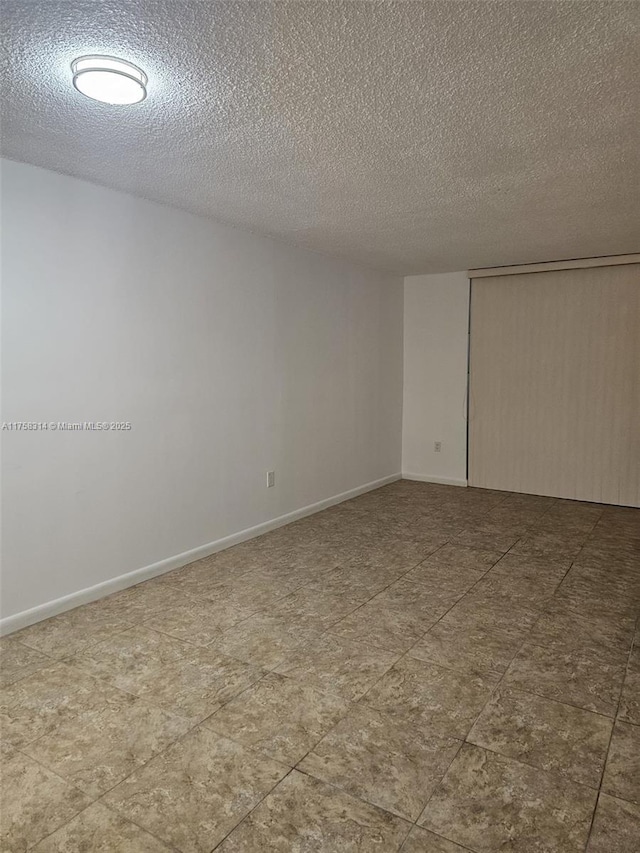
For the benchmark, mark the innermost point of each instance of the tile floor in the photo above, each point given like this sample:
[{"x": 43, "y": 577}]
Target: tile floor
[{"x": 424, "y": 668}]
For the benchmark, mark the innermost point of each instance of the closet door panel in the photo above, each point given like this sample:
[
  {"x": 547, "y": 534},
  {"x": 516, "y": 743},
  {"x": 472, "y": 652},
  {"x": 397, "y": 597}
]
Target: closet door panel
[{"x": 554, "y": 405}]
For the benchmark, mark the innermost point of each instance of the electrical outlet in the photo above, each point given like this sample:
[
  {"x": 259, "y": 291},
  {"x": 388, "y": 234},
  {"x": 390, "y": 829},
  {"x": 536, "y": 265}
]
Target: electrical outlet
[
  {"x": 271, "y": 479},
  {"x": 437, "y": 446}
]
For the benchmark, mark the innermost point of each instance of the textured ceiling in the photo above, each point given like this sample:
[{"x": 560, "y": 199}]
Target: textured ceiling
[{"x": 412, "y": 136}]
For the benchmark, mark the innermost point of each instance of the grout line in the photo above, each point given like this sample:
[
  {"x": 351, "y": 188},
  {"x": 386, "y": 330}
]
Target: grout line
[
  {"x": 556, "y": 774},
  {"x": 343, "y": 790},
  {"x": 50, "y": 662},
  {"x": 613, "y": 727},
  {"x": 116, "y": 814},
  {"x": 65, "y": 657},
  {"x": 531, "y": 692},
  {"x": 134, "y": 822},
  {"x": 260, "y": 801},
  {"x": 463, "y": 847}
]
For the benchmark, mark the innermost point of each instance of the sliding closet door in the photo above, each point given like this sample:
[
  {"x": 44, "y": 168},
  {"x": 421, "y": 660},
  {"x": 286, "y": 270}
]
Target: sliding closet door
[{"x": 554, "y": 405}]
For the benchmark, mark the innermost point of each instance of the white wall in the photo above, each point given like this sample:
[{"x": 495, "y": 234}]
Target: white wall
[
  {"x": 554, "y": 384},
  {"x": 230, "y": 354},
  {"x": 436, "y": 318}
]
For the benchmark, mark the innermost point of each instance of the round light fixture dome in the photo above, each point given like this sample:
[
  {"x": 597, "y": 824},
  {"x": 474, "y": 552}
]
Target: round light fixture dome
[{"x": 110, "y": 80}]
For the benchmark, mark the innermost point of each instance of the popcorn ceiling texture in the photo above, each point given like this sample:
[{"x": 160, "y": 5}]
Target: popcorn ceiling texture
[{"x": 411, "y": 136}]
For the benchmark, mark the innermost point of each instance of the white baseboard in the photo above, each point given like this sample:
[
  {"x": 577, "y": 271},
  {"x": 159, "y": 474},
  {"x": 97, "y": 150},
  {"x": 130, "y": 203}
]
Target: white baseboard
[
  {"x": 92, "y": 593},
  {"x": 445, "y": 481}
]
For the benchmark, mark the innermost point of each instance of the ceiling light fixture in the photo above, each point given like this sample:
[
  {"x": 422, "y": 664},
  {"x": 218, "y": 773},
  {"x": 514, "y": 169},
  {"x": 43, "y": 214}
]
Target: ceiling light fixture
[{"x": 110, "y": 80}]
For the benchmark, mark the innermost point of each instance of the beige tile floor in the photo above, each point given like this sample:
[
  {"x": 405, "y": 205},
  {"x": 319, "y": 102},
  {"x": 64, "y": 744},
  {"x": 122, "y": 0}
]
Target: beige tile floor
[{"x": 424, "y": 668}]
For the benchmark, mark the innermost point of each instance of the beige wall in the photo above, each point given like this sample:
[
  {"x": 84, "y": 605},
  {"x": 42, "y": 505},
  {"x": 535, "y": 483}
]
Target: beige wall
[{"x": 555, "y": 384}]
